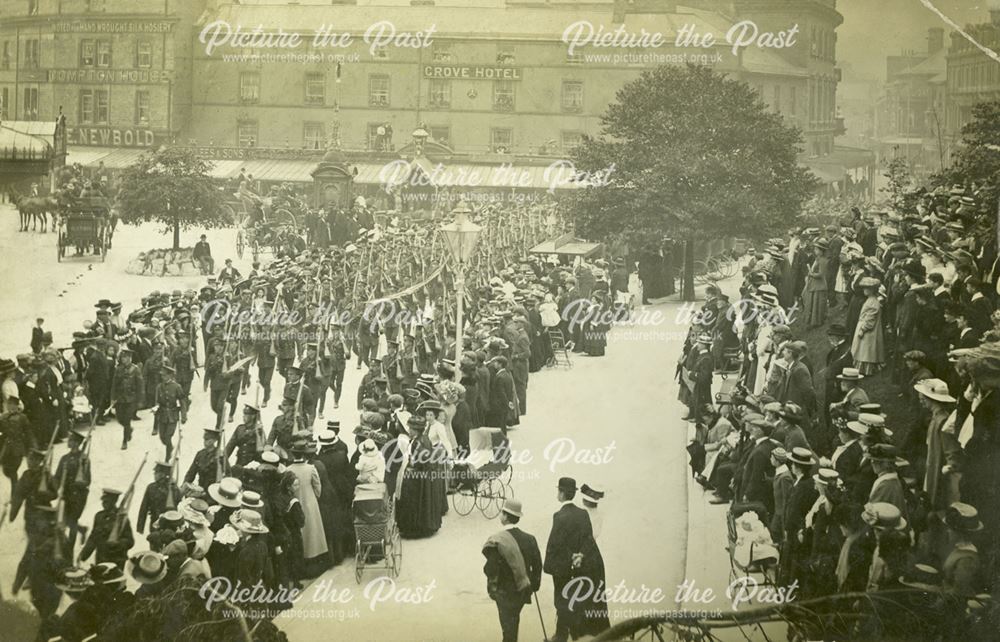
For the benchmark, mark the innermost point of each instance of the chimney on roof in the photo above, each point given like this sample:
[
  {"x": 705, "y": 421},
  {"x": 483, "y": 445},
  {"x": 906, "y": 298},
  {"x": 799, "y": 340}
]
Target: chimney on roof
[{"x": 935, "y": 40}]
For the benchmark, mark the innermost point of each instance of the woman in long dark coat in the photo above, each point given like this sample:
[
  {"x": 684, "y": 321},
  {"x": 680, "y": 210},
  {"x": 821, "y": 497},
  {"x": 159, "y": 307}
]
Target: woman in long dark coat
[
  {"x": 331, "y": 507},
  {"x": 291, "y": 519},
  {"x": 423, "y": 495}
]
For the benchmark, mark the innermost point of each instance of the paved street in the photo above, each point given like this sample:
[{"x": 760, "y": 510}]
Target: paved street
[
  {"x": 598, "y": 403},
  {"x": 597, "y": 411}
]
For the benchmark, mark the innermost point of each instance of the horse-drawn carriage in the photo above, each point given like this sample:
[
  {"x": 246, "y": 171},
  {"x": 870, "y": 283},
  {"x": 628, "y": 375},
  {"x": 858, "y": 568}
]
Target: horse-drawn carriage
[
  {"x": 263, "y": 225},
  {"x": 85, "y": 226}
]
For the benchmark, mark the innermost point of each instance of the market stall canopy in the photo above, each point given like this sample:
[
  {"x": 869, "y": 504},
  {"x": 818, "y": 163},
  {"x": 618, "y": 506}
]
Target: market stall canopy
[{"x": 569, "y": 245}]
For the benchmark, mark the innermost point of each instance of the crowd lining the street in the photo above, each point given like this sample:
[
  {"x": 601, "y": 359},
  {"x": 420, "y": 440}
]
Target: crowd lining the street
[{"x": 874, "y": 466}]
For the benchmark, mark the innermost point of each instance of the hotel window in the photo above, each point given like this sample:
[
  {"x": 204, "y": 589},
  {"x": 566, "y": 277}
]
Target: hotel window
[
  {"x": 142, "y": 107},
  {"x": 30, "y": 103},
  {"x": 93, "y": 106},
  {"x": 571, "y": 139},
  {"x": 441, "y": 52},
  {"x": 313, "y": 136},
  {"x": 378, "y": 91},
  {"x": 4, "y": 97},
  {"x": 143, "y": 54},
  {"x": 5, "y": 61},
  {"x": 315, "y": 89},
  {"x": 505, "y": 54},
  {"x": 503, "y": 95},
  {"x": 103, "y": 53},
  {"x": 246, "y": 133},
  {"x": 249, "y": 87},
  {"x": 441, "y": 134},
  {"x": 88, "y": 53},
  {"x": 440, "y": 92},
  {"x": 572, "y": 95},
  {"x": 501, "y": 140},
  {"x": 32, "y": 53}
]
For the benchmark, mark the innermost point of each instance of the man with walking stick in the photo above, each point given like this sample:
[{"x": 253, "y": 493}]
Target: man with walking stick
[{"x": 513, "y": 569}]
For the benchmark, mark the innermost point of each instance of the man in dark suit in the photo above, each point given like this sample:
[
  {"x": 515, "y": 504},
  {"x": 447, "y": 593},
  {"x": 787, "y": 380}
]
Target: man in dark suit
[
  {"x": 796, "y": 384},
  {"x": 98, "y": 376},
  {"x": 513, "y": 569},
  {"x": 570, "y": 552},
  {"x": 846, "y": 458},
  {"x": 501, "y": 410},
  {"x": 37, "y": 335},
  {"x": 755, "y": 486}
]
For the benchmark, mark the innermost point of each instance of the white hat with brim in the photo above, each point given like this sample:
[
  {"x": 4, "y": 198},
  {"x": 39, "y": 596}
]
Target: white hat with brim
[
  {"x": 223, "y": 493},
  {"x": 248, "y": 521},
  {"x": 935, "y": 389}
]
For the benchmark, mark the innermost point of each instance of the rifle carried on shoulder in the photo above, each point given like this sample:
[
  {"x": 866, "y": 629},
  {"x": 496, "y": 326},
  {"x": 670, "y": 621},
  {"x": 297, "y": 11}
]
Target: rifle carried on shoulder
[{"x": 126, "y": 501}]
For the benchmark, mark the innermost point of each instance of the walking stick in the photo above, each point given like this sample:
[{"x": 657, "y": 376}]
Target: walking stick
[{"x": 538, "y": 606}]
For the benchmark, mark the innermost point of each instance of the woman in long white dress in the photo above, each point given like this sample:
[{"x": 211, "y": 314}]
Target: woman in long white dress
[{"x": 314, "y": 545}]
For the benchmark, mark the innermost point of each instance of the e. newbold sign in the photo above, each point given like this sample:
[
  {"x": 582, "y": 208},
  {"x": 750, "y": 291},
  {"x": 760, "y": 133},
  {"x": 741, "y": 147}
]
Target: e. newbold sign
[{"x": 113, "y": 137}]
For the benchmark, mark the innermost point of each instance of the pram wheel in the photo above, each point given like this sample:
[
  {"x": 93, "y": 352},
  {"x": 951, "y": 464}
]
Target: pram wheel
[
  {"x": 490, "y": 497},
  {"x": 464, "y": 500}
]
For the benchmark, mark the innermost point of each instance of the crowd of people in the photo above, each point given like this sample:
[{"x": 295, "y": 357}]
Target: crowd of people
[
  {"x": 275, "y": 505},
  {"x": 872, "y": 463}
]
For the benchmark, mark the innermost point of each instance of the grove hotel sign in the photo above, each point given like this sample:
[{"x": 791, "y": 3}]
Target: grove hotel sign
[
  {"x": 472, "y": 72},
  {"x": 111, "y": 76}
]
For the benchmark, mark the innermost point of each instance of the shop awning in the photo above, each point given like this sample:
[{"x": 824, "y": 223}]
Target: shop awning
[
  {"x": 26, "y": 140},
  {"x": 569, "y": 245},
  {"x": 86, "y": 156}
]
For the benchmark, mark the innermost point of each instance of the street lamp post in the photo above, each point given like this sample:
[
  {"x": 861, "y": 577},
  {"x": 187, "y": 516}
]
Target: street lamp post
[{"x": 460, "y": 236}]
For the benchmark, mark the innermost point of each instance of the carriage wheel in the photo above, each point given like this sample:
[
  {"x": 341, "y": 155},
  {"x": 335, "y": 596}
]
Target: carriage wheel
[
  {"x": 285, "y": 217},
  {"x": 491, "y": 497},
  {"x": 255, "y": 250},
  {"x": 360, "y": 553},
  {"x": 60, "y": 250},
  {"x": 240, "y": 243},
  {"x": 464, "y": 500}
]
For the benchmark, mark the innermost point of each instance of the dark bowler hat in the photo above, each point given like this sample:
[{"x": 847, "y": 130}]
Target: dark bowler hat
[{"x": 567, "y": 484}]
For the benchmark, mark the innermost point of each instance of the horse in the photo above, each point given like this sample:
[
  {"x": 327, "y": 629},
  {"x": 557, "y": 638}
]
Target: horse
[{"x": 37, "y": 208}]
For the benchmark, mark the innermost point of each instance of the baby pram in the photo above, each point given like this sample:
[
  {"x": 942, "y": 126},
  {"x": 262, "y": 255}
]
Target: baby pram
[
  {"x": 483, "y": 478},
  {"x": 378, "y": 543}
]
